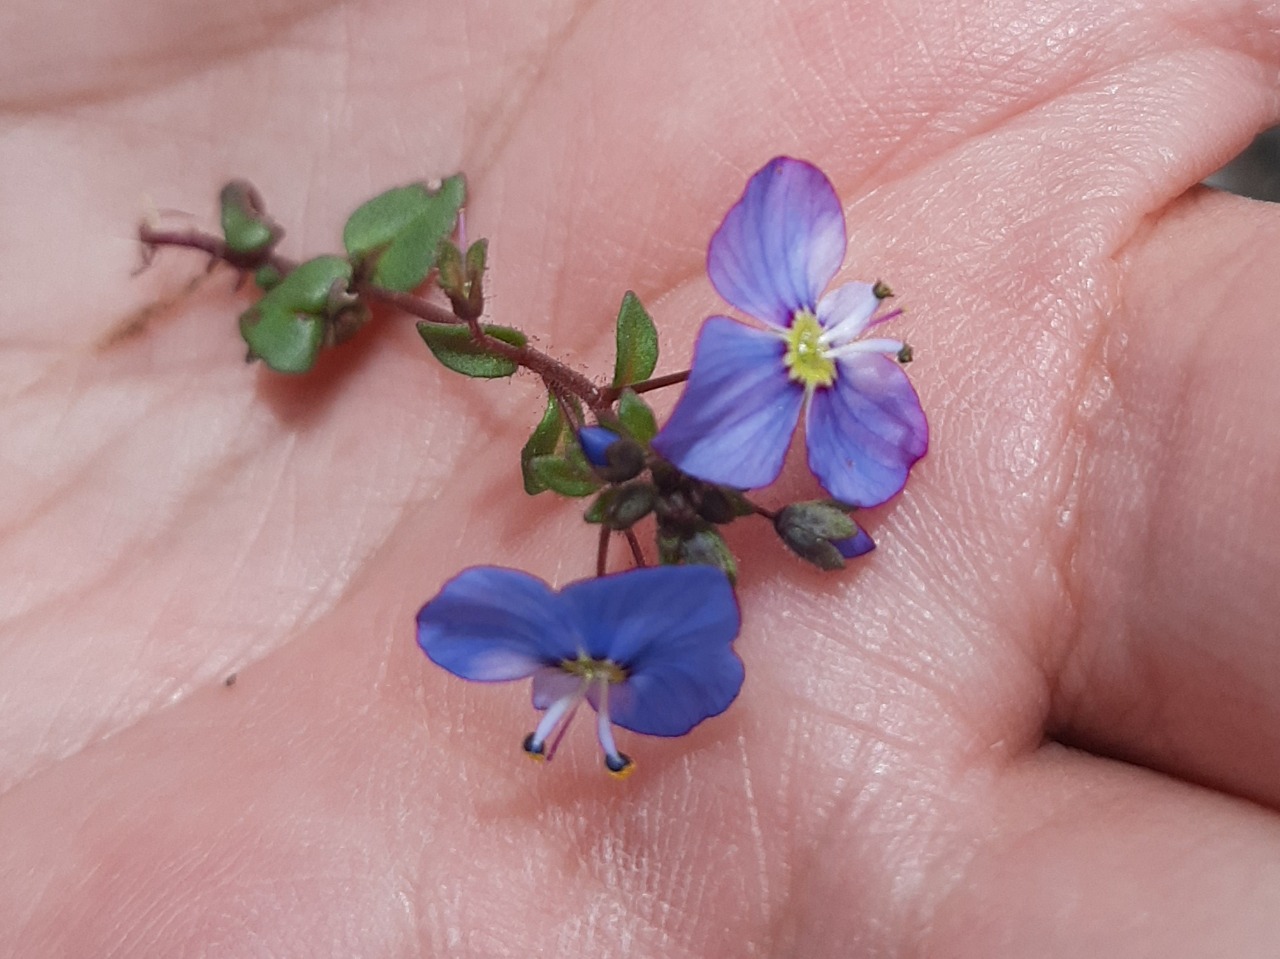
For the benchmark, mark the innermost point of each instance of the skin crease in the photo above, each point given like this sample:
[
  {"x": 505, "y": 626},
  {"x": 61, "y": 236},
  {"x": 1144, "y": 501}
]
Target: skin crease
[{"x": 1041, "y": 720}]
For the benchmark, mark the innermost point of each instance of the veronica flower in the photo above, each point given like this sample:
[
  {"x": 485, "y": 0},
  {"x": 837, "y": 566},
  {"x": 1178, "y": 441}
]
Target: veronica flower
[
  {"x": 651, "y": 650},
  {"x": 772, "y": 257}
]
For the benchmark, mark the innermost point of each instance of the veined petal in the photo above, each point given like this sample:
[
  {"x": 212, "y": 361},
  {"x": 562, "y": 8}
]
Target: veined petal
[
  {"x": 672, "y": 629},
  {"x": 734, "y": 421},
  {"x": 865, "y": 432},
  {"x": 491, "y": 624},
  {"x": 644, "y": 615},
  {"x": 780, "y": 244},
  {"x": 551, "y": 683},
  {"x": 846, "y": 311},
  {"x": 670, "y": 699}
]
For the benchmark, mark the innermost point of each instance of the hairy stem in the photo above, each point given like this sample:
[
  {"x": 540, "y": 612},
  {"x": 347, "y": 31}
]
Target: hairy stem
[{"x": 557, "y": 377}]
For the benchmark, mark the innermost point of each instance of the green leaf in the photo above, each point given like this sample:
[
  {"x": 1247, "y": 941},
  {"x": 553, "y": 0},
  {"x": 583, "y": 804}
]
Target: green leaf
[
  {"x": 544, "y": 440},
  {"x": 287, "y": 342},
  {"x": 636, "y": 417},
  {"x": 245, "y": 226},
  {"x": 400, "y": 231},
  {"x": 286, "y": 328},
  {"x": 454, "y": 347},
  {"x": 564, "y": 475},
  {"x": 637, "y": 343},
  {"x": 308, "y": 287}
]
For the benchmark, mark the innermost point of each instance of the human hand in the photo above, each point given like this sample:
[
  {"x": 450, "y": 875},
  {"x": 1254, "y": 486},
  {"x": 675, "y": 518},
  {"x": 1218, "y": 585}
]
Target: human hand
[{"x": 1019, "y": 728}]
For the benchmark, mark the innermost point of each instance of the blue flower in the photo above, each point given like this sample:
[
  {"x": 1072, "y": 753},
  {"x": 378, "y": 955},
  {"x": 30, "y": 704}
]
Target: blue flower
[
  {"x": 777, "y": 249},
  {"x": 651, "y": 650}
]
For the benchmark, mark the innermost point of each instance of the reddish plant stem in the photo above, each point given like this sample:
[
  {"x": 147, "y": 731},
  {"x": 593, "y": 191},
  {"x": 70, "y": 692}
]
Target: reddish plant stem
[
  {"x": 636, "y": 553},
  {"x": 644, "y": 386},
  {"x": 558, "y": 377},
  {"x": 602, "y": 550}
]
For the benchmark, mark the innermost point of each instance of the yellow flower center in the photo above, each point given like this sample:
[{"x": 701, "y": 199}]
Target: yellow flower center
[
  {"x": 594, "y": 669},
  {"x": 806, "y": 360}
]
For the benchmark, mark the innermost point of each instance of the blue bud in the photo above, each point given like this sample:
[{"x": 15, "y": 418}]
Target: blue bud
[{"x": 595, "y": 442}]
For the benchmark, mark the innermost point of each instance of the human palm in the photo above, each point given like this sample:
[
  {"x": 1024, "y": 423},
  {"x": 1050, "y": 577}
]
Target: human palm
[{"x": 1042, "y": 719}]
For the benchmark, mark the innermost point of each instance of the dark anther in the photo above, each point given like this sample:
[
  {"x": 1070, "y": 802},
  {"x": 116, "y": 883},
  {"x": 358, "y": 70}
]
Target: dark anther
[
  {"x": 537, "y": 752},
  {"x": 881, "y": 290},
  {"x": 619, "y": 767}
]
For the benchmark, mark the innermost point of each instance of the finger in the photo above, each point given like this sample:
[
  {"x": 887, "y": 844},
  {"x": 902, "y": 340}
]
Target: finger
[
  {"x": 1177, "y": 661},
  {"x": 1084, "y": 857}
]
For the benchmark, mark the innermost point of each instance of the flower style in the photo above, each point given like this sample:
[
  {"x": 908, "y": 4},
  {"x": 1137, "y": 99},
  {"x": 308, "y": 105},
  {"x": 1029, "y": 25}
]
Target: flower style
[
  {"x": 777, "y": 249},
  {"x": 650, "y": 649}
]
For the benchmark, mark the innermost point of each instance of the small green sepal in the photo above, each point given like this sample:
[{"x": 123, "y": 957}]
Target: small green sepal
[
  {"x": 599, "y": 507},
  {"x": 636, "y": 417},
  {"x": 708, "y": 548},
  {"x": 637, "y": 340},
  {"x": 395, "y": 237},
  {"x": 454, "y": 347}
]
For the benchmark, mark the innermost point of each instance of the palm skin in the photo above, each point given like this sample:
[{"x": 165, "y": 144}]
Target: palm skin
[{"x": 1041, "y": 720}]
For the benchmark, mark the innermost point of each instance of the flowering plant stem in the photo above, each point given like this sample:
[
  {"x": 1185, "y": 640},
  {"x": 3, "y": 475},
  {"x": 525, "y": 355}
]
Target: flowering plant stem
[{"x": 560, "y": 379}]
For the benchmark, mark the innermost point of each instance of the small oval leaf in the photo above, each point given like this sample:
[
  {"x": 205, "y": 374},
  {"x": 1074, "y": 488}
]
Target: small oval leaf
[
  {"x": 543, "y": 440},
  {"x": 286, "y": 341},
  {"x": 400, "y": 231},
  {"x": 454, "y": 347},
  {"x": 561, "y": 474},
  {"x": 637, "y": 340}
]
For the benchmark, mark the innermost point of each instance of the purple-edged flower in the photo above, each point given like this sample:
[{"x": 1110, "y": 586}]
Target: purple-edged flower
[
  {"x": 651, "y": 650},
  {"x": 774, "y": 254}
]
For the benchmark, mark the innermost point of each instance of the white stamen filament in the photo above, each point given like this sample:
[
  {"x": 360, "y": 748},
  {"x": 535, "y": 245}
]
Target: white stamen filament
[
  {"x": 562, "y": 709},
  {"x": 604, "y": 727},
  {"x": 856, "y": 322},
  {"x": 880, "y": 345}
]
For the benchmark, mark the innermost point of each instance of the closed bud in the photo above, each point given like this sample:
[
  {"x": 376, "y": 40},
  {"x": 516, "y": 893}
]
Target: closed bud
[
  {"x": 708, "y": 548},
  {"x": 818, "y": 517},
  {"x": 716, "y": 506},
  {"x": 629, "y": 504},
  {"x": 815, "y": 531}
]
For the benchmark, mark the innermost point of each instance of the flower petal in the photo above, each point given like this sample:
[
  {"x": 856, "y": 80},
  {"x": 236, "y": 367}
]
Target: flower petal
[
  {"x": 865, "y": 432},
  {"x": 551, "y": 683},
  {"x": 780, "y": 244},
  {"x": 672, "y": 629},
  {"x": 734, "y": 421},
  {"x": 490, "y": 624},
  {"x": 856, "y": 545},
  {"x": 846, "y": 311}
]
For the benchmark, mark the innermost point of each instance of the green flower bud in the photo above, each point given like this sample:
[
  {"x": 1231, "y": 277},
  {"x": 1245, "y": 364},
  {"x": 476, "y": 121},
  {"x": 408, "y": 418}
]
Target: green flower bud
[{"x": 629, "y": 505}]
